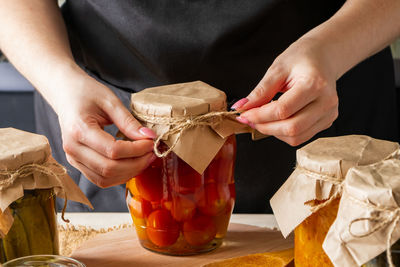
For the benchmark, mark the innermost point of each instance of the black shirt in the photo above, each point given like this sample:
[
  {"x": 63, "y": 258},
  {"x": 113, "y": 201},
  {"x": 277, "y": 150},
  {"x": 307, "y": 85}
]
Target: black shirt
[{"x": 229, "y": 44}]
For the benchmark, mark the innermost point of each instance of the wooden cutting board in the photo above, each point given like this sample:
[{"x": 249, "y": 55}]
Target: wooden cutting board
[{"x": 122, "y": 248}]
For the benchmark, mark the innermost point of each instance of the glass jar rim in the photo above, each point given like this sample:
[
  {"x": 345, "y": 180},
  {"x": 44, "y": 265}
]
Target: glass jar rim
[{"x": 39, "y": 260}]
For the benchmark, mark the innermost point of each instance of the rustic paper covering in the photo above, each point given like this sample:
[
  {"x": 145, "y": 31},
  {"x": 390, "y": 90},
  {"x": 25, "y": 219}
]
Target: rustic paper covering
[
  {"x": 19, "y": 149},
  {"x": 370, "y": 199},
  {"x": 198, "y": 145},
  {"x": 331, "y": 157}
]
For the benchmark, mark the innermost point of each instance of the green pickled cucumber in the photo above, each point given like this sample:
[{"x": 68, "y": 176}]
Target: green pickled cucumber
[
  {"x": 15, "y": 243},
  {"x": 48, "y": 205},
  {"x": 36, "y": 227},
  {"x": 2, "y": 255}
]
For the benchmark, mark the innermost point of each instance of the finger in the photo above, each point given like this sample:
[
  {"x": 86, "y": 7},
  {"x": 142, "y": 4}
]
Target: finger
[
  {"x": 96, "y": 179},
  {"x": 300, "y": 95},
  {"x": 270, "y": 84},
  {"x": 321, "y": 125},
  {"x": 300, "y": 122},
  {"x": 125, "y": 121},
  {"x": 116, "y": 169},
  {"x": 104, "y": 143}
]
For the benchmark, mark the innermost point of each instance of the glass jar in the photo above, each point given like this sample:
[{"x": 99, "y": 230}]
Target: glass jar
[
  {"x": 178, "y": 211},
  {"x": 44, "y": 261},
  {"x": 310, "y": 235},
  {"x": 34, "y": 230},
  {"x": 381, "y": 260}
]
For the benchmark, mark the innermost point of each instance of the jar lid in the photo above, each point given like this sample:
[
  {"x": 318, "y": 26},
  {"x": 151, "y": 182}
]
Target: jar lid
[
  {"x": 182, "y": 99},
  {"x": 19, "y": 147},
  {"x": 44, "y": 261}
]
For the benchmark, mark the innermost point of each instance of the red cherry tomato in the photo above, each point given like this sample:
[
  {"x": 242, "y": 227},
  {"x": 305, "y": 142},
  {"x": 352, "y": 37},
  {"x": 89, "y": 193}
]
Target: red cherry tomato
[
  {"x": 183, "y": 208},
  {"x": 222, "y": 220},
  {"x": 162, "y": 229},
  {"x": 184, "y": 178},
  {"x": 199, "y": 231},
  {"x": 213, "y": 198},
  {"x": 149, "y": 183},
  {"x": 232, "y": 191},
  {"x": 222, "y": 167},
  {"x": 139, "y": 207}
]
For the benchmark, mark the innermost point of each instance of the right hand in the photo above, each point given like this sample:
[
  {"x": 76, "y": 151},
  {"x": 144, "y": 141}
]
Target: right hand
[{"x": 84, "y": 106}]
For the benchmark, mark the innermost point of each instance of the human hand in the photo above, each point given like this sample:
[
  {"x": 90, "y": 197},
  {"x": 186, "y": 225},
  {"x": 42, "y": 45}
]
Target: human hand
[
  {"x": 84, "y": 107},
  {"x": 309, "y": 103}
]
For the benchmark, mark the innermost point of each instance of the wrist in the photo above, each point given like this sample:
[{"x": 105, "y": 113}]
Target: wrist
[
  {"x": 59, "y": 83},
  {"x": 321, "y": 54}
]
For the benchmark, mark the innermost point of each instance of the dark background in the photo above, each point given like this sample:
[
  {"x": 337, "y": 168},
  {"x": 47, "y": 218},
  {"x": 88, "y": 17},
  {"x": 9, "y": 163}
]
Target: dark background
[{"x": 16, "y": 97}]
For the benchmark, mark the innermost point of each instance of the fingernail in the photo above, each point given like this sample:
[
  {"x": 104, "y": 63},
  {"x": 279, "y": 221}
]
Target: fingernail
[
  {"x": 242, "y": 120},
  {"x": 147, "y": 132},
  {"x": 239, "y": 104}
]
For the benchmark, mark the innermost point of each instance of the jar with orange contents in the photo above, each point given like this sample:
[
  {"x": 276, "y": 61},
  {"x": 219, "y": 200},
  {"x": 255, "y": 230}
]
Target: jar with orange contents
[
  {"x": 310, "y": 235},
  {"x": 181, "y": 204}
]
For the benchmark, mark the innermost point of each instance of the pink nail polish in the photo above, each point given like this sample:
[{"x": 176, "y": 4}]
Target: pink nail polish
[
  {"x": 242, "y": 120},
  {"x": 147, "y": 132},
  {"x": 239, "y": 104}
]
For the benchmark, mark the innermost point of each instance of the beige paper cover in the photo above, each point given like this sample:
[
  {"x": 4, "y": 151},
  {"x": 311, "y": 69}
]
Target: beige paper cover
[
  {"x": 378, "y": 184},
  {"x": 198, "y": 145},
  {"x": 329, "y": 156},
  {"x": 19, "y": 148}
]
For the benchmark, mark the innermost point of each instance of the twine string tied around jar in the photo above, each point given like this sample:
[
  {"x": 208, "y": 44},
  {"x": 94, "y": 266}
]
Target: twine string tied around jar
[
  {"x": 181, "y": 124},
  {"x": 387, "y": 216},
  {"x": 8, "y": 177},
  {"x": 337, "y": 181}
]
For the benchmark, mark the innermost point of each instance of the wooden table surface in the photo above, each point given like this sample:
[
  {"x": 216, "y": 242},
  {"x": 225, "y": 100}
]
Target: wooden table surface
[
  {"x": 98, "y": 220},
  {"x": 247, "y": 234}
]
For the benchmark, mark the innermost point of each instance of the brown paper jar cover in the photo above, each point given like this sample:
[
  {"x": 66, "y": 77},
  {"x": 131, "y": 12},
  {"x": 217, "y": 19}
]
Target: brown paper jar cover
[
  {"x": 198, "y": 145},
  {"x": 369, "y": 209},
  {"x": 19, "y": 149},
  {"x": 327, "y": 157}
]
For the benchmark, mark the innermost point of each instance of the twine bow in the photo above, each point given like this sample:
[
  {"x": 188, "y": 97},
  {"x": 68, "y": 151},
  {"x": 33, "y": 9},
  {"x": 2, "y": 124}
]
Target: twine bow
[
  {"x": 7, "y": 178},
  {"x": 386, "y": 216},
  {"x": 180, "y": 125}
]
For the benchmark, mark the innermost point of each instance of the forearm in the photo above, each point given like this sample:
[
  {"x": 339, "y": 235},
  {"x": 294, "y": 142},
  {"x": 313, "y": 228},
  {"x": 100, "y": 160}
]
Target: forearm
[
  {"x": 34, "y": 38},
  {"x": 358, "y": 30}
]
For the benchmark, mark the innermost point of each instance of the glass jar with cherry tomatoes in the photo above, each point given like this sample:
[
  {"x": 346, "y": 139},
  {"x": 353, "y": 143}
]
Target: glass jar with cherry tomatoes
[{"x": 178, "y": 211}]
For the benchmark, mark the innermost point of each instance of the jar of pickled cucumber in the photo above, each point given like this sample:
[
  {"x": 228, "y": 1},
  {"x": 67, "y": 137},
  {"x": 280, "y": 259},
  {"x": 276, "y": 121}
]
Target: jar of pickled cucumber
[
  {"x": 34, "y": 230},
  {"x": 178, "y": 211},
  {"x": 30, "y": 180}
]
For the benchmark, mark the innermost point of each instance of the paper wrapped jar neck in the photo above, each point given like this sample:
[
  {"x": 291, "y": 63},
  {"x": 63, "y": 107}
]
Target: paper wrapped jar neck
[{"x": 190, "y": 118}]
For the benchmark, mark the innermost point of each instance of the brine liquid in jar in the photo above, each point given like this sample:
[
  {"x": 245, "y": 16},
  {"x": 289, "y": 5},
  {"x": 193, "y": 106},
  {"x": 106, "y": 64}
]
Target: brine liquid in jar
[
  {"x": 178, "y": 211},
  {"x": 34, "y": 230}
]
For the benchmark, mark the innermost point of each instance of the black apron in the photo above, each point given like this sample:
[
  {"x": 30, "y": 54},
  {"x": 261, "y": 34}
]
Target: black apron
[{"x": 132, "y": 45}]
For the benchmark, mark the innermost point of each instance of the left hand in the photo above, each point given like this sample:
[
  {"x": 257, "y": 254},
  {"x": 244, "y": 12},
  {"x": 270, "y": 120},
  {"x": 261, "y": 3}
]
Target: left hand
[{"x": 309, "y": 103}]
